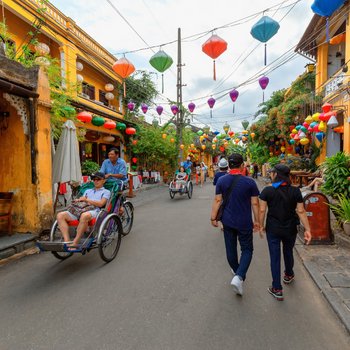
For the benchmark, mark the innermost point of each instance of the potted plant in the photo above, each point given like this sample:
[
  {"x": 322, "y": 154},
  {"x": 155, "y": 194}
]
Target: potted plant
[
  {"x": 89, "y": 167},
  {"x": 342, "y": 210}
]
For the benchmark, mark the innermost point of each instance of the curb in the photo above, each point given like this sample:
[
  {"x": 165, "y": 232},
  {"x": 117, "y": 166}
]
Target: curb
[{"x": 330, "y": 295}]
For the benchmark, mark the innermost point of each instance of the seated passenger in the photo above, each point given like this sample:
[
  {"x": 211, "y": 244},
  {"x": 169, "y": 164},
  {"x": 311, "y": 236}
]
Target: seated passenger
[
  {"x": 180, "y": 177},
  {"x": 97, "y": 197},
  {"x": 114, "y": 167},
  {"x": 318, "y": 181}
]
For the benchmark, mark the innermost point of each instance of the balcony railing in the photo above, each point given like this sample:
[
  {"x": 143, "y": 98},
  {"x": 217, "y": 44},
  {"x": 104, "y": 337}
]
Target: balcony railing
[{"x": 334, "y": 83}]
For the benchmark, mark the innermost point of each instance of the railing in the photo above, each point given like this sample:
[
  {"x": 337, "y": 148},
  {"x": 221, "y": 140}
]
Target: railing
[{"x": 334, "y": 83}]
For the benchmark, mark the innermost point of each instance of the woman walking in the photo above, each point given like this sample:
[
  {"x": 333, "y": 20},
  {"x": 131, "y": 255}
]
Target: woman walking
[
  {"x": 202, "y": 171},
  {"x": 281, "y": 225},
  {"x": 211, "y": 172}
]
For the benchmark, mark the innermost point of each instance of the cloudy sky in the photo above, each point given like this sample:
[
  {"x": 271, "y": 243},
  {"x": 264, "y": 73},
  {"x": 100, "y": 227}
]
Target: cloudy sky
[{"x": 157, "y": 22}]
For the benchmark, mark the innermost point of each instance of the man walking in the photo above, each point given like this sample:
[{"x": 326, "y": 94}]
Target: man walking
[{"x": 237, "y": 217}]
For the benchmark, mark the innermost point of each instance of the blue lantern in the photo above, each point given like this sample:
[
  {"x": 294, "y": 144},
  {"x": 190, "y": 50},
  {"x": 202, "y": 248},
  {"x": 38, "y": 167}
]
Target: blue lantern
[
  {"x": 264, "y": 30},
  {"x": 277, "y": 148},
  {"x": 297, "y": 149},
  {"x": 228, "y": 139},
  {"x": 272, "y": 143},
  {"x": 282, "y": 155},
  {"x": 216, "y": 133},
  {"x": 289, "y": 142},
  {"x": 326, "y": 8},
  {"x": 320, "y": 136}
]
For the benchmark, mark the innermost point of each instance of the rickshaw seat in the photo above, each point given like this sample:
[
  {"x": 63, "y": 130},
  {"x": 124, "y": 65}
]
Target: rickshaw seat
[{"x": 76, "y": 222}]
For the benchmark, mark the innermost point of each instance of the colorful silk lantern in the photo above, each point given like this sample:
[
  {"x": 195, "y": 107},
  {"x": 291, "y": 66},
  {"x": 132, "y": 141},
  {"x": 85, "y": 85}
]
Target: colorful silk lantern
[
  {"x": 271, "y": 154},
  {"x": 244, "y": 138},
  {"x": 130, "y": 131},
  {"x": 339, "y": 129},
  {"x": 188, "y": 129},
  {"x": 290, "y": 149},
  {"x": 283, "y": 149},
  {"x": 97, "y": 121},
  {"x": 328, "y": 115},
  {"x": 144, "y": 108},
  {"x": 245, "y": 124},
  {"x": 327, "y": 107},
  {"x": 211, "y": 103},
  {"x": 131, "y": 106},
  {"x": 172, "y": 140},
  {"x": 120, "y": 126},
  {"x": 230, "y": 133},
  {"x": 263, "y": 82},
  {"x": 252, "y": 134},
  {"x": 161, "y": 62},
  {"x": 309, "y": 119},
  {"x": 225, "y": 144},
  {"x": 305, "y": 125},
  {"x": 333, "y": 122},
  {"x": 155, "y": 123},
  {"x": 322, "y": 117},
  {"x": 304, "y": 141},
  {"x": 237, "y": 140},
  {"x": 298, "y": 127},
  {"x": 295, "y": 131},
  {"x": 234, "y": 95},
  {"x": 159, "y": 110},
  {"x": 84, "y": 117},
  {"x": 203, "y": 147},
  {"x": 123, "y": 67},
  {"x": 199, "y": 132},
  {"x": 201, "y": 138},
  {"x": 191, "y": 107},
  {"x": 214, "y": 47},
  {"x": 320, "y": 136},
  {"x": 291, "y": 128},
  {"x": 182, "y": 146},
  {"x": 297, "y": 149},
  {"x": 213, "y": 146},
  {"x": 315, "y": 117},
  {"x": 326, "y": 8},
  {"x": 174, "y": 109},
  {"x": 109, "y": 125},
  {"x": 171, "y": 127},
  {"x": 264, "y": 30},
  {"x": 321, "y": 126},
  {"x": 164, "y": 136},
  {"x": 292, "y": 142},
  {"x": 134, "y": 142},
  {"x": 216, "y": 133},
  {"x": 296, "y": 138},
  {"x": 134, "y": 160},
  {"x": 315, "y": 128}
]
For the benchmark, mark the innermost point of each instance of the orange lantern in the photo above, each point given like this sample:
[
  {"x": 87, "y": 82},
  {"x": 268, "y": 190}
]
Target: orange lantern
[
  {"x": 182, "y": 146},
  {"x": 192, "y": 145},
  {"x": 244, "y": 138},
  {"x": 164, "y": 136},
  {"x": 203, "y": 147},
  {"x": 172, "y": 140},
  {"x": 237, "y": 140},
  {"x": 84, "y": 117},
  {"x": 225, "y": 144},
  {"x": 213, "y": 146},
  {"x": 123, "y": 68},
  {"x": 339, "y": 129},
  {"x": 252, "y": 134}
]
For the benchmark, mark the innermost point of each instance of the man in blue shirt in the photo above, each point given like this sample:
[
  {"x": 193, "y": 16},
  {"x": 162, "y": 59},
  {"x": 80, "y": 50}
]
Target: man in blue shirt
[
  {"x": 237, "y": 218},
  {"x": 114, "y": 167},
  {"x": 223, "y": 167},
  {"x": 188, "y": 164},
  {"x": 97, "y": 197}
]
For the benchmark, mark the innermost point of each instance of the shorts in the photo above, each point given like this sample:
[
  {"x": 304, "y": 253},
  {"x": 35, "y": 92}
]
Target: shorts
[{"x": 93, "y": 213}]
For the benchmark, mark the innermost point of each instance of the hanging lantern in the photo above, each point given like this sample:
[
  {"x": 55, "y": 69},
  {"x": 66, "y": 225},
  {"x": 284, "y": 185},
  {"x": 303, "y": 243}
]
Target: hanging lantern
[
  {"x": 292, "y": 142},
  {"x": 271, "y": 148},
  {"x": 277, "y": 148},
  {"x": 252, "y": 134},
  {"x": 327, "y": 107},
  {"x": 155, "y": 123},
  {"x": 134, "y": 142},
  {"x": 234, "y": 95},
  {"x": 161, "y": 62},
  {"x": 131, "y": 106},
  {"x": 123, "y": 67},
  {"x": 263, "y": 82},
  {"x": 188, "y": 129},
  {"x": 109, "y": 125},
  {"x": 164, "y": 136},
  {"x": 215, "y": 140},
  {"x": 290, "y": 149},
  {"x": 214, "y": 47},
  {"x": 264, "y": 30},
  {"x": 109, "y": 96},
  {"x": 245, "y": 124},
  {"x": 225, "y": 144},
  {"x": 298, "y": 127},
  {"x": 309, "y": 129},
  {"x": 230, "y": 133},
  {"x": 297, "y": 149},
  {"x": 211, "y": 103},
  {"x": 42, "y": 49},
  {"x": 134, "y": 160},
  {"x": 80, "y": 78},
  {"x": 237, "y": 140},
  {"x": 144, "y": 109},
  {"x": 305, "y": 125},
  {"x": 182, "y": 146},
  {"x": 171, "y": 127},
  {"x": 333, "y": 122},
  {"x": 191, "y": 107},
  {"x": 328, "y": 115},
  {"x": 320, "y": 136},
  {"x": 315, "y": 128},
  {"x": 203, "y": 147},
  {"x": 294, "y": 131},
  {"x": 206, "y": 129},
  {"x": 271, "y": 154},
  {"x": 213, "y": 146},
  {"x": 174, "y": 109},
  {"x": 201, "y": 138},
  {"x": 309, "y": 119},
  {"x": 109, "y": 138},
  {"x": 109, "y": 87},
  {"x": 315, "y": 117},
  {"x": 321, "y": 126},
  {"x": 296, "y": 138},
  {"x": 172, "y": 140},
  {"x": 226, "y": 128},
  {"x": 277, "y": 143},
  {"x": 244, "y": 138},
  {"x": 130, "y": 131},
  {"x": 79, "y": 66},
  {"x": 199, "y": 132},
  {"x": 85, "y": 117},
  {"x": 291, "y": 128},
  {"x": 121, "y": 126},
  {"x": 159, "y": 110},
  {"x": 326, "y": 8},
  {"x": 339, "y": 129},
  {"x": 97, "y": 121},
  {"x": 304, "y": 141}
]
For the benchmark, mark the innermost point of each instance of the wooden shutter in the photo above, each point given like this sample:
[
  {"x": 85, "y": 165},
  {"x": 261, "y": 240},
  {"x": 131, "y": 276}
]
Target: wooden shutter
[{"x": 102, "y": 98}]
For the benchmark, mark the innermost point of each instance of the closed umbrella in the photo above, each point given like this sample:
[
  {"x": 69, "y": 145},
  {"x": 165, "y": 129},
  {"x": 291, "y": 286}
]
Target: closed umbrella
[{"x": 66, "y": 162}]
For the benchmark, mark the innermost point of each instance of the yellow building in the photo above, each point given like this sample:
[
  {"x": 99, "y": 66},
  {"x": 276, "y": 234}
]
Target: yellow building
[
  {"x": 25, "y": 136},
  {"x": 332, "y": 76}
]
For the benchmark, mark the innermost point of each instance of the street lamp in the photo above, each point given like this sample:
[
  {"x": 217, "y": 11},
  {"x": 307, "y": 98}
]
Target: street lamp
[
  {"x": 310, "y": 67},
  {"x": 206, "y": 129},
  {"x": 171, "y": 127},
  {"x": 226, "y": 128},
  {"x": 155, "y": 123}
]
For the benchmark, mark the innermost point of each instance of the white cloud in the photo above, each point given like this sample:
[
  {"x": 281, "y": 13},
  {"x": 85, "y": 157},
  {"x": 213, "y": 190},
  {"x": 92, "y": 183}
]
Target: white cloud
[{"x": 158, "y": 23}]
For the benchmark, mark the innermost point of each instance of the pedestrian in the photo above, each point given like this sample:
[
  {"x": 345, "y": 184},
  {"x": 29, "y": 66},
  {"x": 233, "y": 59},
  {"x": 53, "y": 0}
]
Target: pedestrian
[
  {"x": 281, "y": 225},
  {"x": 245, "y": 170},
  {"x": 206, "y": 172},
  {"x": 237, "y": 217},
  {"x": 188, "y": 165},
  {"x": 202, "y": 173},
  {"x": 223, "y": 168},
  {"x": 211, "y": 172},
  {"x": 198, "y": 172},
  {"x": 256, "y": 170}
]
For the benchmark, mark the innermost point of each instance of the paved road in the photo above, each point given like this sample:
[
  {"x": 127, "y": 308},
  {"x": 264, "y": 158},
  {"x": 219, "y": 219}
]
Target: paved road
[{"x": 168, "y": 288}]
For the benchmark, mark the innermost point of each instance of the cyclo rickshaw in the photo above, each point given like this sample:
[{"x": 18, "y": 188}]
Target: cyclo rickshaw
[
  {"x": 105, "y": 231},
  {"x": 186, "y": 188}
]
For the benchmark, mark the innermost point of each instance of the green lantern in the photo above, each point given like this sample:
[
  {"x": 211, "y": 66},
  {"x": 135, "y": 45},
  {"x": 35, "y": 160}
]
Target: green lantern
[
  {"x": 134, "y": 167},
  {"x": 226, "y": 128},
  {"x": 200, "y": 132},
  {"x": 155, "y": 123},
  {"x": 141, "y": 118},
  {"x": 188, "y": 129},
  {"x": 245, "y": 124},
  {"x": 67, "y": 110},
  {"x": 206, "y": 129},
  {"x": 120, "y": 126},
  {"x": 97, "y": 121},
  {"x": 161, "y": 62},
  {"x": 171, "y": 127}
]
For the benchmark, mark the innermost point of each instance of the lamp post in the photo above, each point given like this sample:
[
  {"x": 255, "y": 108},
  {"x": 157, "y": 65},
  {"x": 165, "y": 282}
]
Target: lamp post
[{"x": 226, "y": 128}]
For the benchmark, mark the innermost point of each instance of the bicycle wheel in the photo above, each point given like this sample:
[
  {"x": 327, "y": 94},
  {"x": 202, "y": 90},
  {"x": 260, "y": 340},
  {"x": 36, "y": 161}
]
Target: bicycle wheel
[
  {"x": 109, "y": 238},
  {"x": 127, "y": 218},
  {"x": 190, "y": 189},
  {"x": 56, "y": 236},
  {"x": 172, "y": 194}
]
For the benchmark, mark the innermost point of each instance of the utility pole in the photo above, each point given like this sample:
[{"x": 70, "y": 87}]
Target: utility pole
[{"x": 179, "y": 116}]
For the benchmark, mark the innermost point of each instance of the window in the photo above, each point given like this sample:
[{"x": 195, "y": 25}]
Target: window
[
  {"x": 88, "y": 90},
  {"x": 102, "y": 98}
]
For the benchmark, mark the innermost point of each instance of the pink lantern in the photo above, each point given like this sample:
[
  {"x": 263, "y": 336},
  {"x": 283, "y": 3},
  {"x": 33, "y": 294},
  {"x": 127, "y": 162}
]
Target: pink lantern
[
  {"x": 131, "y": 107},
  {"x": 321, "y": 117},
  {"x": 296, "y": 138},
  {"x": 211, "y": 103},
  {"x": 191, "y": 107},
  {"x": 174, "y": 109},
  {"x": 144, "y": 109},
  {"x": 234, "y": 95},
  {"x": 315, "y": 128},
  {"x": 306, "y": 125},
  {"x": 159, "y": 110},
  {"x": 263, "y": 82},
  {"x": 310, "y": 129}
]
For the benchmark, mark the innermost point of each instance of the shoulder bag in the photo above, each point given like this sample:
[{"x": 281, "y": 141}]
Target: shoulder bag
[
  {"x": 223, "y": 204},
  {"x": 287, "y": 200},
  {"x": 77, "y": 208}
]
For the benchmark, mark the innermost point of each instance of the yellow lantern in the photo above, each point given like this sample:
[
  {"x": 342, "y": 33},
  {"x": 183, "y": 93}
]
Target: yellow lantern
[
  {"x": 294, "y": 131},
  {"x": 321, "y": 127},
  {"x": 289, "y": 155},
  {"x": 271, "y": 154},
  {"x": 283, "y": 149},
  {"x": 304, "y": 141},
  {"x": 309, "y": 119},
  {"x": 213, "y": 146},
  {"x": 201, "y": 138},
  {"x": 172, "y": 140},
  {"x": 232, "y": 136},
  {"x": 164, "y": 136},
  {"x": 315, "y": 117},
  {"x": 182, "y": 146},
  {"x": 203, "y": 147},
  {"x": 277, "y": 143},
  {"x": 252, "y": 134}
]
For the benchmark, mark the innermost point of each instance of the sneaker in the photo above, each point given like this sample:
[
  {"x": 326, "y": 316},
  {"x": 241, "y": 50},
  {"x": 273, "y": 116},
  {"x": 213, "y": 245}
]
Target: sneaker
[
  {"x": 237, "y": 284},
  {"x": 233, "y": 273},
  {"x": 276, "y": 293},
  {"x": 288, "y": 279}
]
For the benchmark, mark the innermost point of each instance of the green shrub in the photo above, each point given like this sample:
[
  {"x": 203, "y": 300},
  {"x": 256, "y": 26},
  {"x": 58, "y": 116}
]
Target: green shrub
[
  {"x": 89, "y": 167},
  {"x": 336, "y": 173}
]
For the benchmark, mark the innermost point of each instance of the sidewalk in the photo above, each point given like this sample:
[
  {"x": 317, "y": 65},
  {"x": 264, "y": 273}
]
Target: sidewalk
[{"x": 329, "y": 267}]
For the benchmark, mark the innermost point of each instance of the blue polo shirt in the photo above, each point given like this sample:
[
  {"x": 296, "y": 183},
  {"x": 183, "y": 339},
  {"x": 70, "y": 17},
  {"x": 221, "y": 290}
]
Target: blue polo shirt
[
  {"x": 187, "y": 164},
  {"x": 97, "y": 195},
  {"x": 118, "y": 168},
  {"x": 238, "y": 209},
  {"x": 217, "y": 176}
]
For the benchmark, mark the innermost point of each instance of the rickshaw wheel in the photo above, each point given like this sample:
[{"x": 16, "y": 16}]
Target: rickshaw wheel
[
  {"x": 190, "y": 189},
  {"x": 172, "y": 194},
  {"x": 127, "y": 218},
  {"x": 57, "y": 237},
  {"x": 110, "y": 238}
]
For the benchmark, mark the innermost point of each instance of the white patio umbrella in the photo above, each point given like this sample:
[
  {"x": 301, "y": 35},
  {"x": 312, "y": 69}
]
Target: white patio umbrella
[{"x": 66, "y": 162}]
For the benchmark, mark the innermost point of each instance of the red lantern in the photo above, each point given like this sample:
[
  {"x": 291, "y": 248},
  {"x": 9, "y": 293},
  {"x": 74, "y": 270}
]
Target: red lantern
[
  {"x": 283, "y": 143},
  {"x": 328, "y": 115},
  {"x": 134, "y": 142},
  {"x": 306, "y": 125},
  {"x": 222, "y": 149},
  {"x": 109, "y": 125},
  {"x": 271, "y": 148},
  {"x": 214, "y": 47},
  {"x": 291, "y": 128},
  {"x": 326, "y": 107},
  {"x": 84, "y": 117},
  {"x": 290, "y": 148},
  {"x": 230, "y": 133},
  {"x": 277, "y": 153},
  {"x": 134, "y": 160},
  {"x": 123, "y": 68},
  {"x": 130, "y": 131}
]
